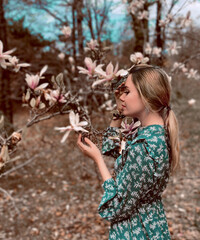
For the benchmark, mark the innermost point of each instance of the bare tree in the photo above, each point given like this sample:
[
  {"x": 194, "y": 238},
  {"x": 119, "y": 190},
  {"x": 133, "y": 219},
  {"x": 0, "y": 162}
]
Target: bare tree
[{"x": 5, "y": 101}]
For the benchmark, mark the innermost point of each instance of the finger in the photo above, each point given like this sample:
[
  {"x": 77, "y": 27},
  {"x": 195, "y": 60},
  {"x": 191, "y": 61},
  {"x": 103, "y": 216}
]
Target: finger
[
  {"x": 88, "y": 141},
  {"x": 79, "y": 139}
]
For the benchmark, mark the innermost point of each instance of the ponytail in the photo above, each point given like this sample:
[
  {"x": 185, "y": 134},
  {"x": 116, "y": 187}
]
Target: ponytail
[{"x": 173, "y": 131}]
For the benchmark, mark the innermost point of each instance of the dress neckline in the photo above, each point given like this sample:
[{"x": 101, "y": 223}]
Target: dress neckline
[{"x": 151, "y": 127}]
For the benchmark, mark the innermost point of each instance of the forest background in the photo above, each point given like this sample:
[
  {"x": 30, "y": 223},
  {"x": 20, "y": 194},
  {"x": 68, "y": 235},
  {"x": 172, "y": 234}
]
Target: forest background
[{"x": 48, "y": 189}]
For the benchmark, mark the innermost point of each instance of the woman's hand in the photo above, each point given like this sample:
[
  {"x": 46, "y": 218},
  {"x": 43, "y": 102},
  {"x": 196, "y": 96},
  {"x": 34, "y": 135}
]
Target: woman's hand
[
  {"x": 91, "y": 150},
  {"x": 118, "y": 93}
]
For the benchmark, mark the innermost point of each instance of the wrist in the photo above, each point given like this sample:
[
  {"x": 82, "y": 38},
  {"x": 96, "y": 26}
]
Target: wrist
[{"x": 98, "y": 159}]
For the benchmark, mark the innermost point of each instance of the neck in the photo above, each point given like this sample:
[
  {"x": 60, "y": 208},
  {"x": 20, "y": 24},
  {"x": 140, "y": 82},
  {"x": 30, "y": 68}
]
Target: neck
[{"x": 151, "y": 118}]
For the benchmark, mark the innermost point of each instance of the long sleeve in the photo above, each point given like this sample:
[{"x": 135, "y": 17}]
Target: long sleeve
[
  {"x": 133, "y": 185},
  {"x": 111, "y": 147}
]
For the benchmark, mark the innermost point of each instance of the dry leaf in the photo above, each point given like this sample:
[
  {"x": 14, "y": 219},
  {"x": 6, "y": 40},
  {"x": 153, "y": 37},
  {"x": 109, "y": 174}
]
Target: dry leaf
[
  {"x": 16, "y": 137},
  {"x": 4, "y": 155}
]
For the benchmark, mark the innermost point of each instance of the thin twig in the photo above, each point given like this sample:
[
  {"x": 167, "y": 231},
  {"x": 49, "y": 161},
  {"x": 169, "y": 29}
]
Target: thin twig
[
  {"x": 19, "y": 166},
  {"x": 12, "y": 199}
]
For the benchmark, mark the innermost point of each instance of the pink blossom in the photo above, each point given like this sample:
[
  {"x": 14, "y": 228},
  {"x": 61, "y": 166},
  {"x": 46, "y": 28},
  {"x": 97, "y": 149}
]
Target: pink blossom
[
  {"x": 71, "y": 59},
  {"x": 90, "y": 71},
  {"x": 148, "y": 48},
  {"x": 135, "y": 6},
  {"x": 172, "y": 49},
  {"x": 157, "y": 51},
  {"x": 61, "y": 56},
  {"x": 192, "y": 74},
  {"x": 33, "y": 80},
  {"x": 55, "y": 96},
  {"x": 92, "y": 45},
  {"x": 14, "y": 63},
  {"x": 128, "y": 129},
  {"x": 4, "y": 56},
  {"x": 66, "y": 30},
  {"x": 143, "y": 15},
  {"x": 138, "y": 57},
  {"x": 109, "y": 74},
  {"x": 165, "y": 22},
  {"x": 187, "y": 21},
  {"x": 108, "y": 105},
  {"x": 179, "y": 65},
  {"x": 74, "y": 125}
]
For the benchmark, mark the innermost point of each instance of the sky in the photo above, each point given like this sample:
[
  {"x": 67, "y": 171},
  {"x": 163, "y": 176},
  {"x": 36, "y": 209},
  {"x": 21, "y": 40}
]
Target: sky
[{"x": 39, "y": 21}]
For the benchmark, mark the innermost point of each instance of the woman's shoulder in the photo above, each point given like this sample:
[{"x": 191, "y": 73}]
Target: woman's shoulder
[
  {"x": 153, "y": 139},
  {"x": 151, "y": 133}
]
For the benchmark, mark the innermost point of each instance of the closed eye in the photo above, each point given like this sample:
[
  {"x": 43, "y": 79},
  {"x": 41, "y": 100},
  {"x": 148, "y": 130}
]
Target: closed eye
[{"x": 126, "y": 92}]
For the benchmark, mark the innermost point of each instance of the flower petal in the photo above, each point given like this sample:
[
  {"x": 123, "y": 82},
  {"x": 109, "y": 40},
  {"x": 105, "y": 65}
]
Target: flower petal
[
  {"x": 1, "y": 47},
  {"x": 65, "y": 137},
  {"x": 72, "y": 118},
  {"x": 43, "y": 70},
  {"x": 109, "y": 69},
  {"x": 42, "y": 86},
  {"x": 100, "y": 71},
  {"x": 83, "y": 123},
  {"x": 80, "y": 129},
  {"x": 98, "y": 82}
]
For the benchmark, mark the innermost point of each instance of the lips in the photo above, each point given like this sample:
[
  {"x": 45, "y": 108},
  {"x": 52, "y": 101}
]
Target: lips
[{"x": 123, "y": 106}]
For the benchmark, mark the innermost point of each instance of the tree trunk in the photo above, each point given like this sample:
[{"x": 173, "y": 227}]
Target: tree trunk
[
  {"x": 141, "y": 31},
  {"x": 79, "y": 7},
  {"x": 159, "y": 40},
  {"x": 5, "y": 101}
]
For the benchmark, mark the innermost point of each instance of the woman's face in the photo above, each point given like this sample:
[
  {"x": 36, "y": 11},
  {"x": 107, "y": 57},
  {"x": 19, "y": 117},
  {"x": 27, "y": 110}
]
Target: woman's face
[{"x": 132, "y": 104}]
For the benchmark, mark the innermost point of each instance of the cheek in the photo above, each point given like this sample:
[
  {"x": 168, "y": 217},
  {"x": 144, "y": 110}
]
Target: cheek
[{"x": 134, "y": 102}]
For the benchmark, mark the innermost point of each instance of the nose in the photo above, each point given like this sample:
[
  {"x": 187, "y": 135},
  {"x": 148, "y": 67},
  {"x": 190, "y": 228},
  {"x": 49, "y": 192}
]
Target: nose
[{"x": 122, "y": 97}]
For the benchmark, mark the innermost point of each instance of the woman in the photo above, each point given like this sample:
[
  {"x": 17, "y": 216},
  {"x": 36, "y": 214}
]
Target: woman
[{"x": 132, "y": 202}]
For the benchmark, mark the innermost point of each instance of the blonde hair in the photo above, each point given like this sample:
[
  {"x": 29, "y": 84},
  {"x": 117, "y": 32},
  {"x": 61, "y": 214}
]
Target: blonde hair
[{"x": 154, "y": 87}]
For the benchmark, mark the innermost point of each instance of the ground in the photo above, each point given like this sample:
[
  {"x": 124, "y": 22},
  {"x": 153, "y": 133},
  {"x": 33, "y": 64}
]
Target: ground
[{"x": 57, "y": 194}]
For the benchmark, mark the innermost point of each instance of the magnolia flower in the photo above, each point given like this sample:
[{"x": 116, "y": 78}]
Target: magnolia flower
[
  {"x": 71, "y": 59},
  {"x": 90, "y": 71},
  {"x": 148, "y": 48},
  {"x": 128, "y": 129},
  {"x": 157, "y": 51},
  {"x": 192, "y": 101},
  {"x": 179, "y": 65},
  {"x": 186, "y": 22},
  {"x": 108, "y": 105},
  {"x": 61, "y": 56},
  {"x": 55, "y": 96},
  {"x": 138, "y": 58},
  {"x": 135, "y": 6},
  {"x": 92, "y": 45},
  {"x": 14, "y": 62},
  {"x": 33, "y": 80},
  {"x": 163, "y": 23},
  {"x": 36, "y": 103},
  {"x": 74, "y": 125},
  {"x": 109, "y": 74},
  {"x": 143, "y": 15},
  {"x": 66, "y": 30},
  {"x": 192, "y": 74},
  {"x": 173, "y": 48},
  {"x": 4, "y": 56}
]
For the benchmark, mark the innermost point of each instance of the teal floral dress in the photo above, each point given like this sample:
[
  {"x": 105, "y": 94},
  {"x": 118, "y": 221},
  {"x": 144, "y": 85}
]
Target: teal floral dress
[{"x": 132, "y": 198}]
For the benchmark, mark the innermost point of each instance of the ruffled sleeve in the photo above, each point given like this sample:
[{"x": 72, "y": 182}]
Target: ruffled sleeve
[
  {"x": 111, "y": 142},
  {"x": 135, "y": 184}
]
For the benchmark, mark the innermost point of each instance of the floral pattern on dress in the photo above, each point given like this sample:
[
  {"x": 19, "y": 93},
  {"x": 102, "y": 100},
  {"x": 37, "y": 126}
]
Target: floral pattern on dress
[{"x": 132, "y": 200}]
